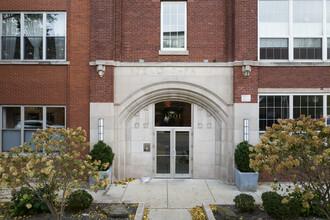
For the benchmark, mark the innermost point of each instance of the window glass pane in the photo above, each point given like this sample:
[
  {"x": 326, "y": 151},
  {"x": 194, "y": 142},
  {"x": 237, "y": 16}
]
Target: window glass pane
[
  {"x": 55, "y": 48},
  {"x": 307, "y": 48},
  {"x": 11, "y": 117},
  {"x": 270, "y": 101},
  {"x": 310, "y": 105},
  {"x": 328, "y": 17},
  {"x": 56, "y": 24},
  {"x": 28, "y": 137},
  {"x": 307, "y": 17},
  {"x": 173, "y": 24},
  {"x": 33, "y": 48},
  {"x": 11, "y": 25},
  {"x": 273, "y": 48},
  {"x": 11, "y": 30},
  {"x": 33, "y": 25},
  {"x": 262, "y": 125},
  {"x": 274, "y": 18},
  {"x": 296, "y": 100},
  {"x": 11, "y": 48},
  {"x": 10, "y": 139},
  {"x": 55, "y": 117},
  {"x": 318, "y": 100},
  {"x": 33, "y": 118},
  {"x": 262, "y": 101},
  {"x": 262, "y": 113},
  {"x": 173, "y": 114},
  {"x": 318, "y": 113}
]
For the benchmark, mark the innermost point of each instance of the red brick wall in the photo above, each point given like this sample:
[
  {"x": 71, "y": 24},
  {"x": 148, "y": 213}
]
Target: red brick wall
[
  {"x": 102, "y": 48},
  {"x": 294, "y": 77},
  {"x": 140, "y": 31},
  {"x": 33, "y": 85},
  {"x": 245, "y": 85},
  {"x": 52, "y": 84},
  {"x": 78, "y": 55},
  {"x": 246, "y": 30},
  {"x": 33, "y": 5},
  {"x": 101, "y": 89}
]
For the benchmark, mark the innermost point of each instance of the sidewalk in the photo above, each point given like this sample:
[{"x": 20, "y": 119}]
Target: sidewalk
[{"x": 173, "y": 199}]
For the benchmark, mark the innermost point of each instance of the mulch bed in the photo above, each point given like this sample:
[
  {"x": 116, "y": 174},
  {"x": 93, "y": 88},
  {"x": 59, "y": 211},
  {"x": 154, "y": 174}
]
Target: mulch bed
[
  {"x": 94, "y": 212},
  {"x": 258, "y": 214}
]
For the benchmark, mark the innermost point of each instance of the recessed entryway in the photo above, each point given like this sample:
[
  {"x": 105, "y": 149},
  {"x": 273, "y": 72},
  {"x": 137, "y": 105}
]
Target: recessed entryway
[{"x": 172, "y": 156}]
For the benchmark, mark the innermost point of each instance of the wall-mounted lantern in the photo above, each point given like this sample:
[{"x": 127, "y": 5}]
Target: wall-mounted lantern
[
  {"x": 101, "y": 129},
  {"x": 245, "y": 129}
]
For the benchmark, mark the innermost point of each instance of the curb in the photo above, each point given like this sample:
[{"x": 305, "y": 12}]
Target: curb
[{"x": 208, "y": 211}]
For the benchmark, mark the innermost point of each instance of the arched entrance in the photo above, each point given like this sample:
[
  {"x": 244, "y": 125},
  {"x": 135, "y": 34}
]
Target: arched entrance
[{"x": 202, "y": 146}]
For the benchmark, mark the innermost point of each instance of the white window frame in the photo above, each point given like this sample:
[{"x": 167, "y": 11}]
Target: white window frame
[
  {"x": 44, "y": 36},
  {"x": 22, "y": 129},
  {"x": 161, "y": 28},
  {"x": 291, "y": 38},
  {"x": 325, "y": 104}
]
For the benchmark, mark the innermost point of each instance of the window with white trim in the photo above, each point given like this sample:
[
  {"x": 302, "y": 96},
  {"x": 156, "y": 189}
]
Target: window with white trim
[
  {"x": 14, "y": 133},
  {"x": 33, "y": 35},
  {"x": 272, "y": 108},
  {"x": 294, "y": 29},
  {"x": 174, "y": 25}
]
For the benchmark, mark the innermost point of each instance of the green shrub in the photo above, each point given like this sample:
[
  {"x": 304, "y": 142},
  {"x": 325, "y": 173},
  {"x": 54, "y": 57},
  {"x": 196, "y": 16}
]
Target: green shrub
[
  {"x": 274, "y": 206},
  {"x": 314, "y": 209},
  {"x": 26, "y": 202},
  {"x": 79, "y": 200},
  {"x": 244, "y": 203},
  {"x": 242, "y": 159},
  {"x": 103, "y": 152}
]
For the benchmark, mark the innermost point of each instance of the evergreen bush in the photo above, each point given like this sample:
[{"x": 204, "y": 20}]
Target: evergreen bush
[
  {"x": 79, "y": 200},
  {"x": 244, "y": 203},
  {"x": 102, "y": 152},
  {"x": 279, "y": 208},
  {"x": 242, "y": 158}
]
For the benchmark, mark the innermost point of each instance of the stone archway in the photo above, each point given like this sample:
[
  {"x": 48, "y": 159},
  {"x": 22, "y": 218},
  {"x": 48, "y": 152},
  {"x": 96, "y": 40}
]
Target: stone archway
[{"x": 174, "y": 91}]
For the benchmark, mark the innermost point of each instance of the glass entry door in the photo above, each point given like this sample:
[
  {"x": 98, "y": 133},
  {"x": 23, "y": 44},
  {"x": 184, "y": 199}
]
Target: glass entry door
[{"x": 173, "y": 153}]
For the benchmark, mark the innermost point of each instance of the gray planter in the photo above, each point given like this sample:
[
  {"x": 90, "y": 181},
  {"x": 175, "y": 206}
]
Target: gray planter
[
  {"x": 246, "y": 182},
  {"x": 103, "y": 173}
]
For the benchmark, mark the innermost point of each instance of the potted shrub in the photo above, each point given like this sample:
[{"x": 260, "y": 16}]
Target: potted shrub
[
  {"x": 102, "y": 152},
  {"x": 245, "y": 177}
]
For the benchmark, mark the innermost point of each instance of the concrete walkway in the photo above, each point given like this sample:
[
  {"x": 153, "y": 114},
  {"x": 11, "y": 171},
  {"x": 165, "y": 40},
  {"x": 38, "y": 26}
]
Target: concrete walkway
[{"x": 173, "y": 199}]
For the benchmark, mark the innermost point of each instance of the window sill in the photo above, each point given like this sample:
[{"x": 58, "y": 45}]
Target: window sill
[
  {"x": 174, "y": 53},
  {"x": 294, "y": 63},
  {"x": 34, "y": 62}
]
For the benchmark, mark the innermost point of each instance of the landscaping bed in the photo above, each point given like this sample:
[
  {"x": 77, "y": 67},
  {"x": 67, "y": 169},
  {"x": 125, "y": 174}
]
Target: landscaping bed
[
  {"x": 96, "y": 211},
  {"x": 222, "y": 212}
]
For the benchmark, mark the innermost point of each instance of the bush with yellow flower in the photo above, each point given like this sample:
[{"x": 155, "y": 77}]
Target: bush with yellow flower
[
  {"x": 54, "y": 159},
  {"x": 299, "y": 149}
]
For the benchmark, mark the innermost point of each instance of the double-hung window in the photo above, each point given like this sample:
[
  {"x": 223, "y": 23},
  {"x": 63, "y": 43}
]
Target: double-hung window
[
  {"x": 294, "y": 29},
  {"x": 19, "y": 122},
  {"x": 174, "y": 25},
  {"x": 33, "y": 36}
]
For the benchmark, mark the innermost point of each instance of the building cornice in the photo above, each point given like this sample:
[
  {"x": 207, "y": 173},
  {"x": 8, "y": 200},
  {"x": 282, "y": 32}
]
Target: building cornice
[{"x": 202, "y": 64}]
